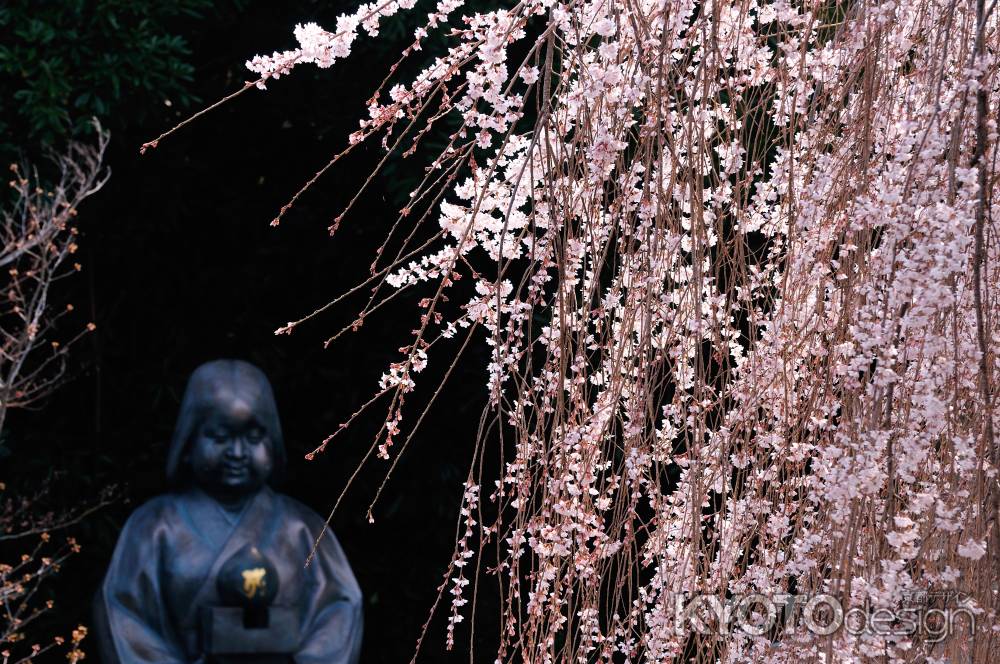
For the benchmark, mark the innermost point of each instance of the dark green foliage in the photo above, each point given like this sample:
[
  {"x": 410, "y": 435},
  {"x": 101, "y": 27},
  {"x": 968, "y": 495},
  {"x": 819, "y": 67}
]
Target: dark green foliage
[{"x": 62, "y": 63}]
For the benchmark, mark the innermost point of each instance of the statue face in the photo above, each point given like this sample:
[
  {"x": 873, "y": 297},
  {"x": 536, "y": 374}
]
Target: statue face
[{"x": 231, "y": 453}]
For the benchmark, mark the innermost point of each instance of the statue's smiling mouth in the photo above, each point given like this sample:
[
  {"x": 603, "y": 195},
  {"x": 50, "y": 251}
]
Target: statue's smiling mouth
[{"x": 235, "y": 470}]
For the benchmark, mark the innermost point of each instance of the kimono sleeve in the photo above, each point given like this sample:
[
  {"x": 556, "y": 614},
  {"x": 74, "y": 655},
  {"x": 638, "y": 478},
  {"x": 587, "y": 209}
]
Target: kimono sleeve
[
  {"x": 131, "y": 619},
  {"x": 332, "y": 634}
]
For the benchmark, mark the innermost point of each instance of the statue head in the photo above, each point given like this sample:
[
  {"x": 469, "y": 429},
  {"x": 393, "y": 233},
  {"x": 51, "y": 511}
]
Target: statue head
[{"x": 228, "y": 436}]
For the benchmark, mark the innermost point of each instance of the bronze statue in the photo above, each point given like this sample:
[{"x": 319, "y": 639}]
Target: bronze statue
[{"x": 215, "y": 570}]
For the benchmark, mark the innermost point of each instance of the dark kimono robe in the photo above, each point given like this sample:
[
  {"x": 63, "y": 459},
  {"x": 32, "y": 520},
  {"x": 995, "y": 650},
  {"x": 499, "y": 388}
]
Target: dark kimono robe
[{"x": 165, "y": 566}]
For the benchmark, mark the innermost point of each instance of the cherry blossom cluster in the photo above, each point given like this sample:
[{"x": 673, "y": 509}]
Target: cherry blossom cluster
[
  {"x": 463, "y": 553},
  {"x": 736, "y": 270}
]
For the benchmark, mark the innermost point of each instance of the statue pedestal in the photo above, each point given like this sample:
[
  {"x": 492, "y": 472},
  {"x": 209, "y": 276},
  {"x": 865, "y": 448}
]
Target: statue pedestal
[{"x": 227, "y": 638}]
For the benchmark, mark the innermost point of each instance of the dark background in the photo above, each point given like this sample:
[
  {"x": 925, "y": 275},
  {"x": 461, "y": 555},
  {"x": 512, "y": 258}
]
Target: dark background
[{"x": 180, "y": 266}]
